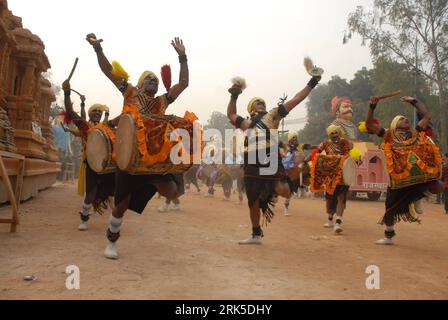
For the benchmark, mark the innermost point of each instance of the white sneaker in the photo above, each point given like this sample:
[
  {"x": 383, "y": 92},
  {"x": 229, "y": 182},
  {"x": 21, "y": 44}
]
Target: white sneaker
[
  {"x": 176, "y": 207},
  {"x": 329, "y": 224},
  {"x": 286, "y": 212},
  {"x": 111, "y": 251},
  {"x": 83, "y": 226},
  {"x": 252, "y": 240},
  {"x": 337, "y": 229},
  {"x": 226, "y": 199},
  {"x": 385, "y": 242},
  {"x": 164, "y": 207}
]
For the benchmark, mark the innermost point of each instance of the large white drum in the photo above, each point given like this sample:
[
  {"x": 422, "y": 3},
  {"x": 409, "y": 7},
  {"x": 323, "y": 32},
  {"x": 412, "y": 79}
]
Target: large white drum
[
  {"x": 349, "y": 172},
  {"x": 99, "y": 149},
  {"x": 126, "y": 143},
  {"x": 384, "y": 163}
]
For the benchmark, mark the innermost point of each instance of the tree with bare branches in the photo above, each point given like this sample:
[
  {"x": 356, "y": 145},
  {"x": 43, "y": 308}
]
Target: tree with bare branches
[{"x": 413, "y": 32}]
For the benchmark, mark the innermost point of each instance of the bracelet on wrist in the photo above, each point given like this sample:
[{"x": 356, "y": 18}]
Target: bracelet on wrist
[
  {"x": 98, "y": 48},
  {"x": 67, "y": 93},
  {"x": 183, "y": 58},
  {"x": 313, "y": 83}
]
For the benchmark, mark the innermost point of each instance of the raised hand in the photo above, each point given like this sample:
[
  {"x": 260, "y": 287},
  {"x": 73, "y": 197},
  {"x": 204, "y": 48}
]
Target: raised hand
[
  {"x": 91, "y": 38},
  {"x": 235, "y": 90},
  {"x": 83, "y": 98},
  {"x": 407, "y": 99},
  {"x": 178, "y": 45},
  {"x": 374, "y": 100},
  {"x": 66, "y": 86}
]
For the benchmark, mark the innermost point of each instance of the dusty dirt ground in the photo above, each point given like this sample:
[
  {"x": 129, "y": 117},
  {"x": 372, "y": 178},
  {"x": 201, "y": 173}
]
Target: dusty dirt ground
[{"x": 193, "y": 254}]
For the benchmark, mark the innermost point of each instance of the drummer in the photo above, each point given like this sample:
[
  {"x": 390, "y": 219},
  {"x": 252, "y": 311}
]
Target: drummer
[
  {"x": 293, "y": 162},
  {"x": 190, "y": 177},
  {"x": 261, "y": 189},
  {"x": 399, "y": 141},
  {"x": 134, "y": 192},
  {"x": 96, "y": 189},
  {"x": 230, "y": 171},
  {"x": 209, "y": 168},
  {"x": 335, "y": 189},
  {"x": 236, "y": 162}
]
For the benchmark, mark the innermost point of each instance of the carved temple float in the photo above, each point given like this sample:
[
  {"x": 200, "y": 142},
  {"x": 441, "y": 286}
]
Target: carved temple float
[{"x": 25, "y": 101}]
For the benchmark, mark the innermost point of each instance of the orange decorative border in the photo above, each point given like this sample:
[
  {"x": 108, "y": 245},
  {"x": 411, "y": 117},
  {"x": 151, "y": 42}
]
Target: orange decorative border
[
  {"x": 329, "y": 187},
  {"x": 407, "y": 171},
  {"x": 163, "y": 154},
  {"x": 106, "y": 128}
]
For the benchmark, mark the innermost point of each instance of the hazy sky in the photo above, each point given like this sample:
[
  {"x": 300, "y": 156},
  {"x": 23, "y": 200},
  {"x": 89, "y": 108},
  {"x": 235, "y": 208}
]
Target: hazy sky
[{"x": 263, "y": 41}]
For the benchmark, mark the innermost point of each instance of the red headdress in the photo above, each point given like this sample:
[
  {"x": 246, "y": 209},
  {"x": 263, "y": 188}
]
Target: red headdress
[{"x": 166, "y": 77}]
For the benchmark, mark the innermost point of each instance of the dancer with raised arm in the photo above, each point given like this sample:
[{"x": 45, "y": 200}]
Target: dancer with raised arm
[
  {"x": 413, "y": 163},
  {"x": 262, "y": 188},
  {"x": 133, "y": 192}
]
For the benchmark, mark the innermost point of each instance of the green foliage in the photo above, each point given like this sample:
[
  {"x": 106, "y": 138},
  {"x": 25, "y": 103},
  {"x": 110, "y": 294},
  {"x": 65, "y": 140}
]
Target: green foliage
[{"x": 414, "y": 33}]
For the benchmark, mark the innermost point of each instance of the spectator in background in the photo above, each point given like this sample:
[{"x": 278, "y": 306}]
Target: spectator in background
[{"x": 62, "y": 142}]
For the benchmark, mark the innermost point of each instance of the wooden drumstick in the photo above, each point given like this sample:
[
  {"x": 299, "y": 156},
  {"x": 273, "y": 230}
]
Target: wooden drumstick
[
  {"x": 73, "y": 69},
  {"x": 389, "y": 95}
]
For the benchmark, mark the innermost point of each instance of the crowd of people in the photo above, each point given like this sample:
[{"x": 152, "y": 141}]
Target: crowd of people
[{"x": 413, "y": 161}]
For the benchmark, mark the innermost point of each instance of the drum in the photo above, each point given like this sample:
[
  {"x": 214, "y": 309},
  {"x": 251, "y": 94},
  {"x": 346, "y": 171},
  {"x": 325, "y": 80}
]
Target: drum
[
  {"x": 99, "y": 149},
  {"x": 416, "y": 176},
  {"x": 301, "y": 174},
  {"x": 349, "y": 172},
  {"x": 382, "y": 157},
  {"x": 331, "y": 170},
  {"x": 415, "y": 163},
  {"x": 130, "y": 159}
]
